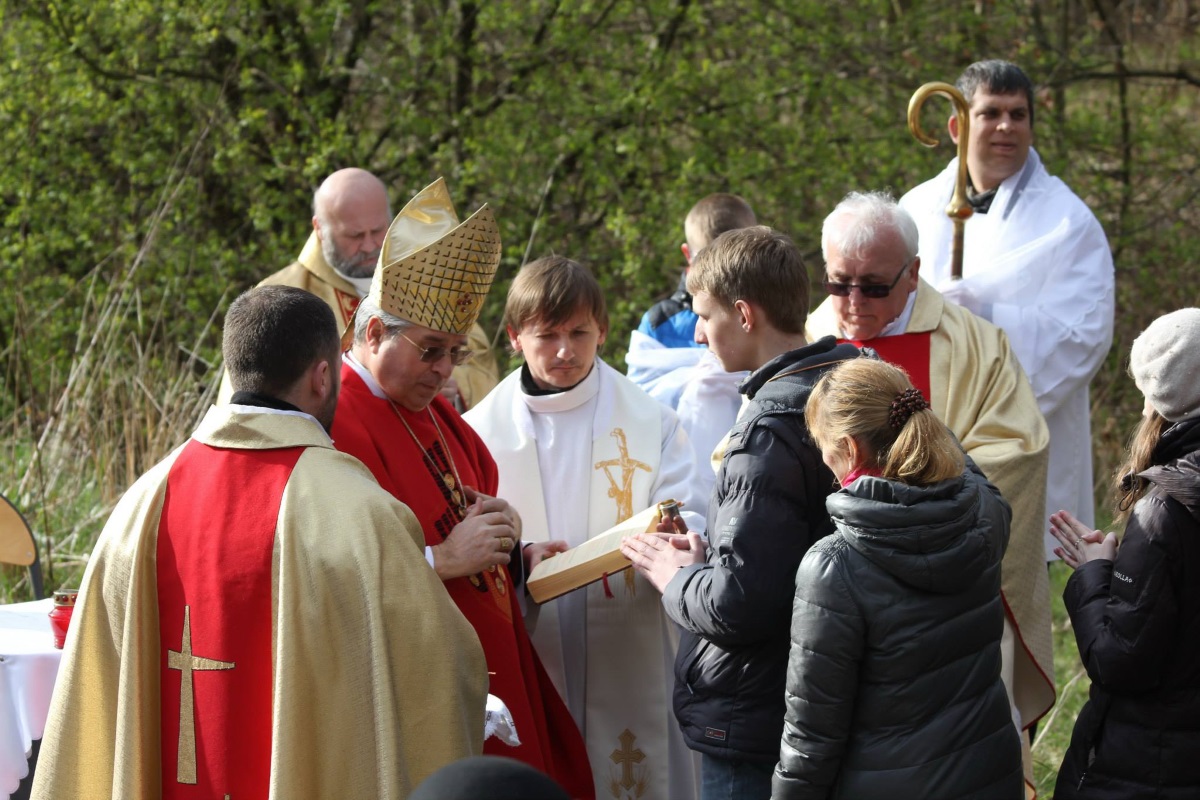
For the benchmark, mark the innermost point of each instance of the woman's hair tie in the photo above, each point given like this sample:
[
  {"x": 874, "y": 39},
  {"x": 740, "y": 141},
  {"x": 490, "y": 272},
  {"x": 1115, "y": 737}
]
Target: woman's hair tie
[{"x": 907, "y": 403}]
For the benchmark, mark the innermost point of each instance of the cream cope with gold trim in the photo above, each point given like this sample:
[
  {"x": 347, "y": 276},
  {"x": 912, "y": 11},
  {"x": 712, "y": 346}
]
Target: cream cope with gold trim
[
  {"x": 977, "y": 387},
  {"x": 612, "y": 451},
  {"x": 404, "y": 640},
  {"x": 434, "y": 271}
]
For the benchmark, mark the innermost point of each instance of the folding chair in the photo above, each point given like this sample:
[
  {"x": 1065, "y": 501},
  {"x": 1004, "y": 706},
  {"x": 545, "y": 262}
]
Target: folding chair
[{"x": 17, "y": 545}]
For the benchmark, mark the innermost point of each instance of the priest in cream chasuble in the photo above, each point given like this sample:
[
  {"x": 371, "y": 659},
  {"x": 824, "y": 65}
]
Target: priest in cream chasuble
[
  {"x": 580, "y": 448},
  {"x": 974, "y": 383},
  {"x": 255, "y": 619}
]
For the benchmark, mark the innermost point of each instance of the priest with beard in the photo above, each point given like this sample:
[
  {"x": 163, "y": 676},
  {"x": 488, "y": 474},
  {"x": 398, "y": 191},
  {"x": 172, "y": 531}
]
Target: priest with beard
[
  {"x": 255, "y": 619},
  {"x": 351, "y": 214}
]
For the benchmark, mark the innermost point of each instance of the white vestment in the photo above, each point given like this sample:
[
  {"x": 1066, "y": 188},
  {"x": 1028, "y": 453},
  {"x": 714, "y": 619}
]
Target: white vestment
[
  {"x": 1040, "y": 264},
  {"x": 574, "y": 464},
  {"x": 692, "y": 382}
]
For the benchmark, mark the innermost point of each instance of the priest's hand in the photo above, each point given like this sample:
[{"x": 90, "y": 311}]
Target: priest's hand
[
  {"x": 660, "y": 556},
  {"x": 496, "y": 504},
  {"x": 1080, "y": 544},
  {"x": 535, "y": 553},
  {"x": 482, "y": 540}
]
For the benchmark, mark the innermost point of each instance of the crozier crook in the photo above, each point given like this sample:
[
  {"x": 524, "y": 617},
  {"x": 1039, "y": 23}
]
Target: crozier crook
[{"x": 959, "y": 209}]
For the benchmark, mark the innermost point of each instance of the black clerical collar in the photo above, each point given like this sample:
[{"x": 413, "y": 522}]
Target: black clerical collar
[
  {"x": 980, "y": 201},
  {"x": 261, "y": 400},
  {"x": 533, "y": 390}
]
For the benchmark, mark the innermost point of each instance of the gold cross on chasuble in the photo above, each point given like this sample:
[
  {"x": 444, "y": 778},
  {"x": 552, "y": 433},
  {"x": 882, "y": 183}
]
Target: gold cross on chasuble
[
  {"x": 186, "y": 663},
  {"x": 620, "y": 488},
  {"x": 625, "y": 757}
]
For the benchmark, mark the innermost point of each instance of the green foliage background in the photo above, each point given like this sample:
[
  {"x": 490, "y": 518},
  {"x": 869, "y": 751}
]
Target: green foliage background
[
  {"x": 589, "y": 126},
  {"x": 158, "y": 156}
]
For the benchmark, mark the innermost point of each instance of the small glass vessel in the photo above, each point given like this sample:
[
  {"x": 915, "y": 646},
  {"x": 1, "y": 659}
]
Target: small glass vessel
[{"x": 60, "y": 615}]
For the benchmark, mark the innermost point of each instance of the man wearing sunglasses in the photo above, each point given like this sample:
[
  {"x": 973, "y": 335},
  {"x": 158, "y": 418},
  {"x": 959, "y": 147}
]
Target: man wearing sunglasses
[{"x": 968, "y": 372}]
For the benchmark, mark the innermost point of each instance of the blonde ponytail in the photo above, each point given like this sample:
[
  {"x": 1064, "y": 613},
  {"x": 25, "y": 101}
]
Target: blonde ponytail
[{"x": 874, "y": 403}]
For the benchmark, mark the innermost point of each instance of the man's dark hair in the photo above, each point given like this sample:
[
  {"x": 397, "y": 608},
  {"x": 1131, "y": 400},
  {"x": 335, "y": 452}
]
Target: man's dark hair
[
  {"x": 273, "y": 334},
  {"x": 996, "y": 77}
]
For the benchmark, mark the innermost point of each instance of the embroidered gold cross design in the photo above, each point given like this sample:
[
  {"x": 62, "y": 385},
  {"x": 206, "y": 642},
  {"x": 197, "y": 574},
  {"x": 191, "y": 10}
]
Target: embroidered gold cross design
[
  {"x": 621, "y": 490},
  {"x": 186, "y": 663},
  {"x": 625, "y": 757}
]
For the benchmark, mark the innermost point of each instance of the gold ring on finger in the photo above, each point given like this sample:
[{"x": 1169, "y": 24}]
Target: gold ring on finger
[{"x": 506, "y": 544}]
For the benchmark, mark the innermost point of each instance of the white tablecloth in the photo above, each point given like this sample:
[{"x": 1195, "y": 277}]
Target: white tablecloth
[{"x": 28, "y": 667}]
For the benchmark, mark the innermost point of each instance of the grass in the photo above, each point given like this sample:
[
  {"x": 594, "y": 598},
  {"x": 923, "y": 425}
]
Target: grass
[{"x": 71, "y": 442}]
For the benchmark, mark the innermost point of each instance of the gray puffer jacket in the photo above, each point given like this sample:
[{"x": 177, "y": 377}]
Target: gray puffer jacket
[{"x": 894, "y": 686}]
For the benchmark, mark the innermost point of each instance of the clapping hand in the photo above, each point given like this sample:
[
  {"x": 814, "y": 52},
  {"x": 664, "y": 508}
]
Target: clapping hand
[{"x": 1080, "y": 544}]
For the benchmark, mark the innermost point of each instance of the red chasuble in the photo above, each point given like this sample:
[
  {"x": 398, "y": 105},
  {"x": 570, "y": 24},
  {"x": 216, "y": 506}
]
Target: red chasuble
[
  {"x": 909, "y": 351},
  {"x": 214, "y": 555},
  {"x": 369, "y": 428}
]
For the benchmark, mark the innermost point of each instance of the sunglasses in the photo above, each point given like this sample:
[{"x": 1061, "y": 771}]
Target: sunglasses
[
  {"x": 874, "y": 291},
  {"x": 431, "y": 355}
]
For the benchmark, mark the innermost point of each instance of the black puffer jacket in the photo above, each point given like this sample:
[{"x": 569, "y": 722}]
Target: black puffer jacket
[
  {"x": 767, "y": 509},
  {"x": 893, "y": 684},
  {"x": 1137, "y": 623}
]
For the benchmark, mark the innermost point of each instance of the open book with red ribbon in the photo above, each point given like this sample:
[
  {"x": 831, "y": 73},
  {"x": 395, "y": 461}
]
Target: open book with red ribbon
[{"x": 593, "y": 560}]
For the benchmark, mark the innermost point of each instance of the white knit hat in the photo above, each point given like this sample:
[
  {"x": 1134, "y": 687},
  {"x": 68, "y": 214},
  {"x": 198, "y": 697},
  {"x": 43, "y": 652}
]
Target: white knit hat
[{"x": 1165, "y": 362}]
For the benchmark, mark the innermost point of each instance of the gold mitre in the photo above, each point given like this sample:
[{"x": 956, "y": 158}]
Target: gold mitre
[{"x": 432, "y": 270}]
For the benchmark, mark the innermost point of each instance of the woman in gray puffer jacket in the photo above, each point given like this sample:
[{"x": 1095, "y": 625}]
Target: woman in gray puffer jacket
[{"x": 894, "y": 686}]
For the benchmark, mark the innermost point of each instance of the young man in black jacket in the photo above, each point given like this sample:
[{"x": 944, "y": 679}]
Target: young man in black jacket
[{"x": 733, "y": 597}]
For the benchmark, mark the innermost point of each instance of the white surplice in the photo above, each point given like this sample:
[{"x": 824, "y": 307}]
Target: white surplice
[
  {"x": 1041, "y": 265},
  {"x": 574, "y": 464},
  {"x": 692, "y": 382}
]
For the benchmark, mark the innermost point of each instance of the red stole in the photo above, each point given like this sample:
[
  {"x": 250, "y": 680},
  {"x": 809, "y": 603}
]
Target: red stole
[
  {"x": 369, "y": 428},
  {"x": 216, "y": 538},
  {"x": 909, "y": 351},
  {"x": 347, "y": 304}
]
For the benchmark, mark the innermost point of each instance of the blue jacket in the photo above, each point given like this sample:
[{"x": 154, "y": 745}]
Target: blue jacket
[{"x": 672, "y": 321}]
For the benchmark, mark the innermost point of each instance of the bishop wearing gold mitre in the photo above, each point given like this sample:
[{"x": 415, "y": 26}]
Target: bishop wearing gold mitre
[
  {"x": 408, "y": 334},
  {"x": 255, "y": 620}
]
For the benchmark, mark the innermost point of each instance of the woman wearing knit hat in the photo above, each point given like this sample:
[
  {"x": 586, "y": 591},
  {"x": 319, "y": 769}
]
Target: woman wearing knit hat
[{"x": 1136, "y": 608}]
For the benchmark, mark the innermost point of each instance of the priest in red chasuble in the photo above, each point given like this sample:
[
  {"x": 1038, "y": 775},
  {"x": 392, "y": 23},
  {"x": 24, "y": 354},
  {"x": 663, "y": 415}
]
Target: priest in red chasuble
[
  {"x": 408, "y": 334},
  {"x": 255, "y": 619},
  {"x": 964, "y": 365}
]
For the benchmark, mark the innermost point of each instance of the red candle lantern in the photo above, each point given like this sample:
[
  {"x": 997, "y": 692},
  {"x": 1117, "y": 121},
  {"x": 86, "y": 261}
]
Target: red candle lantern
[{"x": 60, "y": 615}]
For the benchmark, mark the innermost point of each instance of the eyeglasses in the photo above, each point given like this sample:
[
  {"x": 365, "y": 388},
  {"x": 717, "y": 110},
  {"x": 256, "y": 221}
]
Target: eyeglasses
[
  {"x": 431, "y": 355},
  {"x": 875, "y": 291}
]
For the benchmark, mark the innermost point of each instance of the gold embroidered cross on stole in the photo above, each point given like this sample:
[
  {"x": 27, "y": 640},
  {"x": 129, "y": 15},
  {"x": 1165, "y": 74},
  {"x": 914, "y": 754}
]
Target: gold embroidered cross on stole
[{"x": 186, "y": 663}]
